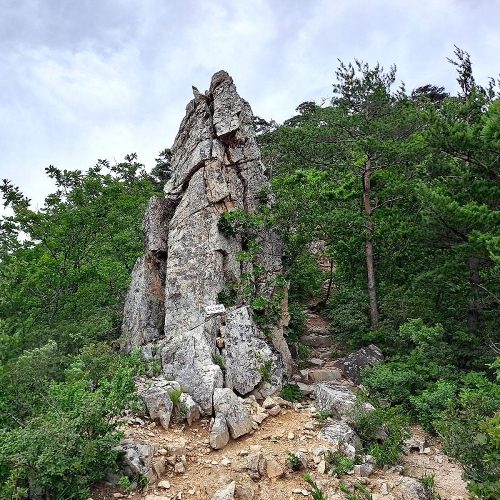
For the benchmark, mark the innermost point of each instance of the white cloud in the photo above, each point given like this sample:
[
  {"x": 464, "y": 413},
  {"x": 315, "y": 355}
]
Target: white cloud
[{"x": 94, "y": 79}]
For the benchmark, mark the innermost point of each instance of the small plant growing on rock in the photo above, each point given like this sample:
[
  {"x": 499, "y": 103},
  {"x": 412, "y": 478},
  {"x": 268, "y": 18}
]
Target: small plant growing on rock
[
  {"x": 124, "y": 482},
  {"x": 180, "y": 408},
  {"x": 323, "y": 415},
  {"x": 303, "y": 353},
  {"x": 429, "y": 484},
  {"x": 219, "y": 360},
  {"x": 155, "y": 367},
  {"x": 294, "y": 461},
  {"x": 291, "y": 392},
  {"x": 175, "y": 395},
  {"x": 181, "y": 412},
  {"x": 266, "y": 370}
]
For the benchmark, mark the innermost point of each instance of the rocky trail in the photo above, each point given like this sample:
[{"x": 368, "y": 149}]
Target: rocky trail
[{"x": 257, "y": 466}]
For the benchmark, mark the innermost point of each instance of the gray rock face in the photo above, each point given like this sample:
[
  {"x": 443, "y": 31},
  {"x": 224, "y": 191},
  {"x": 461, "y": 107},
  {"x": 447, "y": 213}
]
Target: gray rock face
[
  {"x": 339, "y": 399},
  {"x": 144, "y": 310},
  {"x": 249, "y": 358},
  {"x": 137, "y": 458},
  {"x": 340, "y": 431},
  {"x": 228, "y": 404},
  {"x": 219, "y": 434},
  {"x": 226, "y": 493},
  {"x": 366, "y": 356},
  {"x": 188, "y": 261},
  {"x": 193, "y": 410},
  {"x": 158, "y": 404},
  {"x": 411, "y": 489}
]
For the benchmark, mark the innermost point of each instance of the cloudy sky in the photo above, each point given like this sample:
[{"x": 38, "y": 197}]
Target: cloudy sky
[{"x": 88, "y": 79}]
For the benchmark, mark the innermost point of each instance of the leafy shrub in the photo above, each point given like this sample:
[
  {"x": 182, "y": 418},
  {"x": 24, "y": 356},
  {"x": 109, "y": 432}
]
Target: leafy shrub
[
  {"x": 291, "y": 392},
  {"x": 471, "y": 434},
  {"x": 64, "y": 439},
  {"x": 339, "y": 463},
  {"x": 348, "y": 314},
  {"x": 303, "y": 353},
  {"x": 306, "y": 277},
  {"x": 297, "y": 325},
  {"x": 430, "y": 403},
  {"x": 294, "y": 461},
  {"x": 408, "y": 375},
  {"x": 369, "y": 425}
]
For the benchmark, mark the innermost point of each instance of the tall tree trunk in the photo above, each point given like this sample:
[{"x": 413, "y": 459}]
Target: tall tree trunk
[{"x": 370, "y": 267}]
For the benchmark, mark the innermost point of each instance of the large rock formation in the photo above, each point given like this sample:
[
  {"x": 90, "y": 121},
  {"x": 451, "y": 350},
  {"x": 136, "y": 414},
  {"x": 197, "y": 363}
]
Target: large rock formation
[{"x": 189, "y": 261}]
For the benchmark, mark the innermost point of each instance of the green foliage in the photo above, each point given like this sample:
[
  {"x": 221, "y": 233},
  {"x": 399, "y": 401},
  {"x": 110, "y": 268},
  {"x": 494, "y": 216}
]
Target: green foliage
[
  {"x": 307, "y": 277},
  {"x": 124, "y": 482},
  {"x": 406, "y": 376},
  {"x": 339, "y": 463},
  {"x": 323, "y": 415},
  {"x": 370, "y": 425},
  {"x": 363, "y": 494},
  {"x": 219, "y": 360},
  {"x": 175, "y": 395},
  {"x": 294, "y": 461},
  {"x": 316, "y": 493},
  {"x": 430, "y": 403},
  {"x": 67, "y": 443},
  {"x": 470, "y": 430},
  {"x": 297, "y": 324},
  {"x": 64, "y": 272},
  {"x": 428, "y": 483},
  {"x": 266, "y": 370},
  {"x": 303, "y": 353},
  {"x": 291, "y": 392}
]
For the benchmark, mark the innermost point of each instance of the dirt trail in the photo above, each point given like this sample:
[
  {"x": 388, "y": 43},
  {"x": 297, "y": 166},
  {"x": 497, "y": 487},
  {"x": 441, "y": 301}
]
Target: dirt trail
[{"x": 294, "y": 430}]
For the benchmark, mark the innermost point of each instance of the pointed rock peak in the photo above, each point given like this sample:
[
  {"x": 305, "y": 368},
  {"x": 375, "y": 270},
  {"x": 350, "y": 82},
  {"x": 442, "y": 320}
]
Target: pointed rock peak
[{"x": 193, "y": 256}]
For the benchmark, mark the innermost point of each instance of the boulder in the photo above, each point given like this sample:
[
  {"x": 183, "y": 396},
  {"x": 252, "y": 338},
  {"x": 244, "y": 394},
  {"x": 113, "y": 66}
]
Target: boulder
[
  {"x": 219, "y": 434},
  {"x": 158, "y": 404},
  {"x": 137, "y": 459},
  {"x": 367, "y": 356},
  {"x": 339, "y": 399},
  {"x": 412, "y": 489},
  {"x": 193, "y": 410},
  {"x": 324, "y": 375},
  {"x": 226, "y": 493},
  {"x": 247, "y": 356},
  {"x": 340, "y": 431},
  {"x": 229, "y": 405}
]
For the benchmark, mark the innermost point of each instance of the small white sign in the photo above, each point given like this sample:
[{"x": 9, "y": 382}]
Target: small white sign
[{"x": 215, "y": 309}]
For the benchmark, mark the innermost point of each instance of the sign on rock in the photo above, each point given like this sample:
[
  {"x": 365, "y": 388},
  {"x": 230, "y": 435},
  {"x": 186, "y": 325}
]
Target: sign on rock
[{"x": 215, "y": 309}]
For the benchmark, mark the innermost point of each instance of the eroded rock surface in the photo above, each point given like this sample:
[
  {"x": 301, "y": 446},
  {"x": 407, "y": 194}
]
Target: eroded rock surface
[{"x": 189, "y": 260}]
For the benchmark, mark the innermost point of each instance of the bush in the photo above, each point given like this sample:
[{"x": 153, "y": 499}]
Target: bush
[
  {"x": 291, "y": 392},
  {"x": 306, "y": 277},
  {"x": 64, "y": 440},
  {"x": 471, "y": 434},
  {"x": 428, "y": 406},
  {"x": 297, "y": 325},
  {"x": 369, "y": 425}
]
